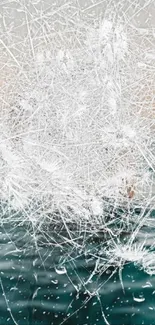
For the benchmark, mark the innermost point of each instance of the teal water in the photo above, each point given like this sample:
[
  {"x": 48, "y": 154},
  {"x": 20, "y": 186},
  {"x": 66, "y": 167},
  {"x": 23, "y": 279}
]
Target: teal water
[{"x": 34, "y": 291}]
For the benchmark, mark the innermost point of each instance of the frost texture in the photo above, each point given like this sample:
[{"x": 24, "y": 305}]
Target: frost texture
[{"x": 77, "y": 122}]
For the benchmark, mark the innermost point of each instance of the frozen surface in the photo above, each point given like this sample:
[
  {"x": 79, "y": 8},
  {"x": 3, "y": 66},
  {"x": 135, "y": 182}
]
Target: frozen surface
[{"x": 77, "y": 126}]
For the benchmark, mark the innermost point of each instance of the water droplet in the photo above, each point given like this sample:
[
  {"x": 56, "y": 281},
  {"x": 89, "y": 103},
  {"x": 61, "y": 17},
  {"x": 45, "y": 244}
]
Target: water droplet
[
  {"x": 139, "y": 299},
  {"x": 61, "y": 270}
]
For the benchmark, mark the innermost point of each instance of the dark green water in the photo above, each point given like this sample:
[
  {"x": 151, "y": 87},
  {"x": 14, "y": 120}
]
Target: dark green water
[{"x": 34, "y": 291}]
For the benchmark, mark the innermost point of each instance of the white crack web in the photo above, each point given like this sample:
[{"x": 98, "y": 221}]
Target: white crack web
[{"x": 77, "y": 126}]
